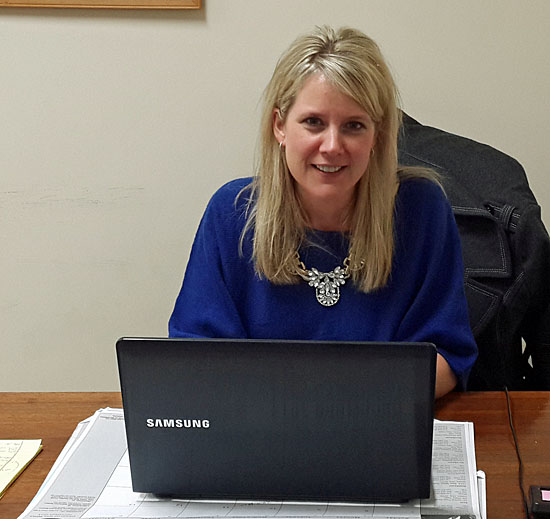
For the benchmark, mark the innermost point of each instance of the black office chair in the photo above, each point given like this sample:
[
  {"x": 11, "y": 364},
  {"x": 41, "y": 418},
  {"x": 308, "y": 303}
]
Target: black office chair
[{"x": 506, "y": 252}]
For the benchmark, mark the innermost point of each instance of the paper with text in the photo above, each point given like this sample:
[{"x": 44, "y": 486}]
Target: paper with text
[{"x": 91, "y": 480}]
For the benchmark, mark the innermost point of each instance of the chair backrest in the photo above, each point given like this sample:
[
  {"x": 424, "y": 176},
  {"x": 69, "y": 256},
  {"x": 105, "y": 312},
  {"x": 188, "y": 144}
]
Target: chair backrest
[{"x": 506, "y": 252}]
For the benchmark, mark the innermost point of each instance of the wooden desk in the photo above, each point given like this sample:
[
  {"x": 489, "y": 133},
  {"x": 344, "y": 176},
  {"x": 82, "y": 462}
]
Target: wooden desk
[{"x": 53, "y": 417}]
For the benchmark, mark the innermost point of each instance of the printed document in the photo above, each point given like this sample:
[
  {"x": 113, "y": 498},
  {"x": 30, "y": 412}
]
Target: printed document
[{"x": 91, "y": 480}]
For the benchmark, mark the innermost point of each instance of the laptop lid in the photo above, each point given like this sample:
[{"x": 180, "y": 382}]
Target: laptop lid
[{"x": 278, "y": 420}]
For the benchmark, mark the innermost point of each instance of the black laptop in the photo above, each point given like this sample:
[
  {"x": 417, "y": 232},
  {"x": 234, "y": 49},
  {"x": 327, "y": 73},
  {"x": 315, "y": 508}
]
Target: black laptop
[{"x": 278, "y": 420}]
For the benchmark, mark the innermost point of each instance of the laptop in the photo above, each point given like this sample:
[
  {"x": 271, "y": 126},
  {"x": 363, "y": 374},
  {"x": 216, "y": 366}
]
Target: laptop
[{"x": 278, "y": 420}]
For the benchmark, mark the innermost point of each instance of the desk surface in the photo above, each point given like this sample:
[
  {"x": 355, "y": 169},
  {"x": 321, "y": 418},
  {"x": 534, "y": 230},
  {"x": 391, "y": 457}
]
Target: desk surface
[{"x": 53, "y": 417}]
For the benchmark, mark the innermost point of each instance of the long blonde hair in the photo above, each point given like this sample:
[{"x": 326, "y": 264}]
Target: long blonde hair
[{"x": 353, "y": 63}]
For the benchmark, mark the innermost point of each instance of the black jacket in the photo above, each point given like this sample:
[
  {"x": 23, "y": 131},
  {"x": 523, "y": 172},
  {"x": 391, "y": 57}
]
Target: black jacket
[{"x": 506, "y": 253}]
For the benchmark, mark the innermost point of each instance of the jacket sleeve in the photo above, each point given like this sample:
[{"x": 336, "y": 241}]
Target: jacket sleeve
[
  {"x": 438, "y": 311},
  {"x": 204, "y": 306}
]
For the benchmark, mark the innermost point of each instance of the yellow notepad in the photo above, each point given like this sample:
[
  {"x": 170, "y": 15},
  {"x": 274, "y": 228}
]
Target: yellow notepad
[{"x": 15, "y": 455}]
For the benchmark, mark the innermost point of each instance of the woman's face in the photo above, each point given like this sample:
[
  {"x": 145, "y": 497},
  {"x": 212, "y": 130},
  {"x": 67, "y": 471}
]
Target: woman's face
[{"x": 327, "y": 139}]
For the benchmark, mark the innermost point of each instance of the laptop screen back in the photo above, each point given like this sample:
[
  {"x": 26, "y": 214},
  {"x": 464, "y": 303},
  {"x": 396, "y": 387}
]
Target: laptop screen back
[{"x": 293, "y": 420}]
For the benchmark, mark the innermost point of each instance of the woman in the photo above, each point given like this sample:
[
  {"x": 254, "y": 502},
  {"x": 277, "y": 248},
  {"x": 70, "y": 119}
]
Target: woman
[{"x": 330, "y": 240}]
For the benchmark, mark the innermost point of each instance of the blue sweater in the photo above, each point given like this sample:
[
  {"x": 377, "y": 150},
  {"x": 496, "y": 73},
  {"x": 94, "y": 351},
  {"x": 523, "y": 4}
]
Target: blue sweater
[{"x": 424, "y": 299}]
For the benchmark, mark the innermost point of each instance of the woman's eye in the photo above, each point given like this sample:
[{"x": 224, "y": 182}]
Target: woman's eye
[
  {"x": 313, "y": 121},
  {"x": 355, "y": 125}
]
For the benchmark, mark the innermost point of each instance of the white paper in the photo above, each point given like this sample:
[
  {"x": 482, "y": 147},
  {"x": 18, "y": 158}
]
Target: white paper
[
  {"x": 84, "y": 466},
  {"x": 454, "y": 479},
  {"x": 481, "y": 487},
  {"x": 91, "y": 480}
]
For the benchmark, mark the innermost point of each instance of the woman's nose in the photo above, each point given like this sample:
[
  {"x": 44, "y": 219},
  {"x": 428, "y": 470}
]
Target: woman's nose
[{"x": 332, "y": 141}]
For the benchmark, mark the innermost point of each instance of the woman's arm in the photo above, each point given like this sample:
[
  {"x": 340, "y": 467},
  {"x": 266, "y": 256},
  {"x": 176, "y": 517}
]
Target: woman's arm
[
  {"x": 445, "y": 379},
  {"x": 205, "y": 306},
  {"x": 438, "y": 311}
]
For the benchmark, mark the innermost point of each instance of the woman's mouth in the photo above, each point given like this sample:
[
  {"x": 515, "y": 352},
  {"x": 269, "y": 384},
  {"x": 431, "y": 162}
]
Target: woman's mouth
[{"x": 328, "y": 169}]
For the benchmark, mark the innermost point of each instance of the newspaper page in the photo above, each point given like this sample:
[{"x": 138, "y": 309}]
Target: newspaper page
[
  {"x": 454, "y": 475},
  {"x": 91, "y": 480}
]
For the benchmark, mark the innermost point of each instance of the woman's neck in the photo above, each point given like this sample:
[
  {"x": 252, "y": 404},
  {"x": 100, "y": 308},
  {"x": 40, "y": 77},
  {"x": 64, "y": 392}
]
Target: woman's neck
[{"x": 328, "y": 217}]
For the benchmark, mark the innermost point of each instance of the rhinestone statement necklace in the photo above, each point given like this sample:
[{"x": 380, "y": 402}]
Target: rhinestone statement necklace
[{"x": 326, "y": 284}]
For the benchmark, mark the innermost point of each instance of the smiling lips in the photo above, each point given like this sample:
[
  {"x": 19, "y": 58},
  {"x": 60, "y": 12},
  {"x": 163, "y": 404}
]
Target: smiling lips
[{"x": 329, "y": 169}]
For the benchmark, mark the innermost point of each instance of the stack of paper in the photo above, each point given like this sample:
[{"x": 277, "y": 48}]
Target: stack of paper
[
  {"x": 91, "y": 479},
  {"x": 15, "y": 455}
]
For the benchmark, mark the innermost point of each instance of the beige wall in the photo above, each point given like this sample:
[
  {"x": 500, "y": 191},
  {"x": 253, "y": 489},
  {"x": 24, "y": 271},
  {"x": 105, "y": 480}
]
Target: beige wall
[{"x": 115, "y": 128}]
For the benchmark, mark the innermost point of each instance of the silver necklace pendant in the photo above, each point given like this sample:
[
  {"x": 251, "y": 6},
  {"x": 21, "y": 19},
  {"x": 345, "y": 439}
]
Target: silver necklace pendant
[{"x": 327, "y": 284}]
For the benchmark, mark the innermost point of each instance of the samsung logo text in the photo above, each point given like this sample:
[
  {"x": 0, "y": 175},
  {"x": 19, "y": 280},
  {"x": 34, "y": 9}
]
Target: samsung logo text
[{"x": 177, "y": 423}]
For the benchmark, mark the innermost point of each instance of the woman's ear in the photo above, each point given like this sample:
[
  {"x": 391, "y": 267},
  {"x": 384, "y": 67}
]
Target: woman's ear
[{"x": 278, "y": 126}]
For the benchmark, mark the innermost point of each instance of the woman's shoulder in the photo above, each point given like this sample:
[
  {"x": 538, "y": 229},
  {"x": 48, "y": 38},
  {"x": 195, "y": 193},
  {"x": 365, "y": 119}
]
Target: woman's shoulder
[
  {"x": 422, "y": 206},
  {"x": 420, "y": 193},
  {"x": 411, "y": 183},
  {"x": 231, "y": 189},
  {"x": 230, "y": 195}
]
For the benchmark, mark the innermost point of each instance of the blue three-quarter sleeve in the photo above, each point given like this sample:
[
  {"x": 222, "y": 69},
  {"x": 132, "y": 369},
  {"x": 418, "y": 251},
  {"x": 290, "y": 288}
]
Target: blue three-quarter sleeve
[
  {"x": 437, "y": 311},
  {"x": 205, "y": 307}
]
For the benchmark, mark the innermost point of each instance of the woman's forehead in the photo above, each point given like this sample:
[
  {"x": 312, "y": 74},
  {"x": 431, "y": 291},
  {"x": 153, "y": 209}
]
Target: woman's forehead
[{"x": 317, "y": 89}]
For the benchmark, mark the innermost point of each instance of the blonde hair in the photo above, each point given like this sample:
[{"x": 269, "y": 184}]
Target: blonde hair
[{"x": 353, "y": 63}]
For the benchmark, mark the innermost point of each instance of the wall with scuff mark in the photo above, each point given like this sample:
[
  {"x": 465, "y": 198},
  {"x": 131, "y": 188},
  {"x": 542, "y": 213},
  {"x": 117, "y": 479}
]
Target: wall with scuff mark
[{"x": 116, "y": 127}]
